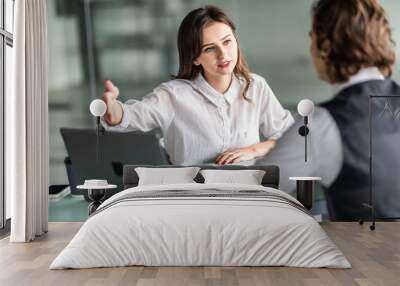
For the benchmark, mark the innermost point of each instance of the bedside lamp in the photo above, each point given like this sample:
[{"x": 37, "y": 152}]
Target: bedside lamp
[
  {"x": 97, "y": 188},
  {"x": 98, "y": 108},
  {"x": 305, "y": 185},
  {"x": 305, "y": 108}
]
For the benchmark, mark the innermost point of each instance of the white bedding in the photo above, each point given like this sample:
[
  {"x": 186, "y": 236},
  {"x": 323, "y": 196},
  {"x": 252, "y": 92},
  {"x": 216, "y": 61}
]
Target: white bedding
[{"x": 181, "y": 231}]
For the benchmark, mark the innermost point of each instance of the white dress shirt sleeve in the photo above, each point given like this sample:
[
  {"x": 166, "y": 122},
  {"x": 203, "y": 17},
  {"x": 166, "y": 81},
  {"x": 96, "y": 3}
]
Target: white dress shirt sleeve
[
  {"x": 155, "y": 110},
  {"x": 274, "y": 119}
]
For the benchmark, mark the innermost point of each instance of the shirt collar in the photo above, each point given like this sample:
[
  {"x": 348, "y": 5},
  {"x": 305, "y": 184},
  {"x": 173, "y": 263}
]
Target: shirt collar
[
  {"x": 215, "y": 96},
  {"x": 365, "y": 74},
  {"x": 233, "y": 91}
]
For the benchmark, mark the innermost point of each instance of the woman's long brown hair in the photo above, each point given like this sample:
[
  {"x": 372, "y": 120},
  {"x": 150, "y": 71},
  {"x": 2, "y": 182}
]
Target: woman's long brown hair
[{"x": 190, "y": 38}]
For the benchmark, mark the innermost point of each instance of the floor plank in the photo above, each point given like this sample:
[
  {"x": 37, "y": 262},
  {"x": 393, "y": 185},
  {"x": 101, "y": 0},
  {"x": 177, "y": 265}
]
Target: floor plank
[{"x": 374, "y": 255}]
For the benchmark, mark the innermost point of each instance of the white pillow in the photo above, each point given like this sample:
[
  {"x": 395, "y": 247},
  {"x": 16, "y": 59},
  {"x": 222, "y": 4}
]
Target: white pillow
[
  {"x": 163, "y": 176},
  {"x": 249, "y": 177}
]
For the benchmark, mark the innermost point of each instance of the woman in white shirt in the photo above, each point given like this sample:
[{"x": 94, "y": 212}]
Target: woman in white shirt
[{"x": 214, "y": 109}]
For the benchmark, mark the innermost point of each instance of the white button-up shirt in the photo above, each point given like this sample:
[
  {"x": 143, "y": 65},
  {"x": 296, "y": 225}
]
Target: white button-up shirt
[{"x": 199, "y": 123}]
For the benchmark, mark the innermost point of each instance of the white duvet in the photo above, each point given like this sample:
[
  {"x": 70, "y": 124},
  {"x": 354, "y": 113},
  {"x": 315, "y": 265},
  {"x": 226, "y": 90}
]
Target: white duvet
[{"x": 182, "y": 231}]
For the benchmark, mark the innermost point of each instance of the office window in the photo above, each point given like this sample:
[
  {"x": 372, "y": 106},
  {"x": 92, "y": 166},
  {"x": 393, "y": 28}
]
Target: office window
[{"x": 9, "y": 15}]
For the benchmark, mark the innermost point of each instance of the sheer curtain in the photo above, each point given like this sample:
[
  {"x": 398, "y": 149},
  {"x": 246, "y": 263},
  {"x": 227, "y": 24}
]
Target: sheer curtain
[{"x": 27, "y": 124}]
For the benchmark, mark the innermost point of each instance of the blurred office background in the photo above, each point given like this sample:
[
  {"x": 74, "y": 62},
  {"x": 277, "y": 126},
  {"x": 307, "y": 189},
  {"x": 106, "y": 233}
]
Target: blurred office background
[{"x": 133, "y": 43}]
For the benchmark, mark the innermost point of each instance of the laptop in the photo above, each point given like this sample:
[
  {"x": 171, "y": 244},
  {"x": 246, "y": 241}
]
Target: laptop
[{"x": 103, "y": 157}]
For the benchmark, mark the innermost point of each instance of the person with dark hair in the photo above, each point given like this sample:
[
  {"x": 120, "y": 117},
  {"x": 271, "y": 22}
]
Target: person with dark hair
[
  {"x": 352, "y": 50},
  {"x": 214, "y": 109}
]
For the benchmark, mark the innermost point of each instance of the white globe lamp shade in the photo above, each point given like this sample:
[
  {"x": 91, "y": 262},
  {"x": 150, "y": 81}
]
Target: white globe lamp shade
[
  {"x": 305, "y": 107},
  {"x": 97, "y": 107}
]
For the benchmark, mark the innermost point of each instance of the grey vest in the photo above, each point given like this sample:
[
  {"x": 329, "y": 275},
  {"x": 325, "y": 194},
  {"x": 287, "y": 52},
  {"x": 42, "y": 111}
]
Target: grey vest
[{"x": 350, "y": 110}]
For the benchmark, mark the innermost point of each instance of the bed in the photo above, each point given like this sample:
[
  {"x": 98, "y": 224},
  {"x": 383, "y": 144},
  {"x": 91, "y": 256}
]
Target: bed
[{"x": 201, "y": 224}]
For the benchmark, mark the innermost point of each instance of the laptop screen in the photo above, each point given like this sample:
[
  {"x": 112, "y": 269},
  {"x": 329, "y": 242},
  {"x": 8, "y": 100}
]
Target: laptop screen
[{"x": 103, "y": 157}]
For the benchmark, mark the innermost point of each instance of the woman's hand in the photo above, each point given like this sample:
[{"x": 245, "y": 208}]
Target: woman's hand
[
  {"x": 246, "y": 153},
  {"x": 114, "y": 111}
]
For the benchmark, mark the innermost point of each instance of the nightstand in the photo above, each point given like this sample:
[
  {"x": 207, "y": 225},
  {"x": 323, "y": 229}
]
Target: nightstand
[
  {"x": 305, "y": 190},
  {"x": 96, "y": 194}
]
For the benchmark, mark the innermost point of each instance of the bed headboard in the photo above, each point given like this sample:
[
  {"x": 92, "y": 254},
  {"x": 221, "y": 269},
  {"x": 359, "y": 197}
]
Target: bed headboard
[{"x": 270, "y": 179}]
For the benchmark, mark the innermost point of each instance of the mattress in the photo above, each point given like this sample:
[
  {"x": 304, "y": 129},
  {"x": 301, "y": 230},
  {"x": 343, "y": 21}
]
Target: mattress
[{"x": 201, "y": 225}]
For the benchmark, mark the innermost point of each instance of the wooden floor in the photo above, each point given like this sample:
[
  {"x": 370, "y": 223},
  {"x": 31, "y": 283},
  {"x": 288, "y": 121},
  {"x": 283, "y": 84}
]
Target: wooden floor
[{"x": 374, "y": 255}]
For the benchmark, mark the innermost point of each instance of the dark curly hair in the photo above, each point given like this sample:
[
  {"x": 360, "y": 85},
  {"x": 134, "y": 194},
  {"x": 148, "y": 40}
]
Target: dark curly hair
[{"x": 350, "y": 35}]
